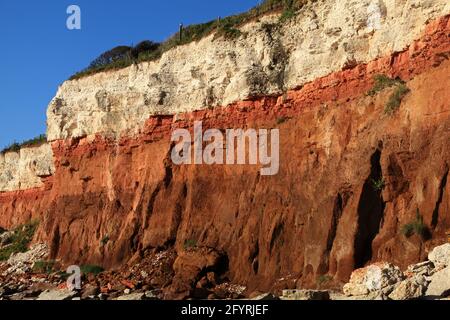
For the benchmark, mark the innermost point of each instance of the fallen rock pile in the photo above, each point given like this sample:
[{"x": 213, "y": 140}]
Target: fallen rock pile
[{"x": 384, "y": 281}]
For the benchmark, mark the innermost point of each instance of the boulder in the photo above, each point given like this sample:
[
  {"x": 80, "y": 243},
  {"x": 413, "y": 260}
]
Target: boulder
[
  {"x": 421, "y": 269},
  {"x": 264, "y": 296},
  {"x": 409, "y": 289},
  {"x": 379, "y": 278},
  {"x": 440, "y": 284},
  {"x": 56, "y": 295},
  {"x": 440, "y": 256},
  {"x": 305, "y": 295}
]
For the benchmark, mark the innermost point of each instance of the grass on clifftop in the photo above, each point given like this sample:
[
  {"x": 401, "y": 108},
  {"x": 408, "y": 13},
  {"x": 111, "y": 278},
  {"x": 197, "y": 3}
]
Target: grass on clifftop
[
  {"x": 417, "y": 227},
  {"x": 228, "y": 28},
  {"x": 20, "y": 240},
  {"x": 15, "y": 146}
]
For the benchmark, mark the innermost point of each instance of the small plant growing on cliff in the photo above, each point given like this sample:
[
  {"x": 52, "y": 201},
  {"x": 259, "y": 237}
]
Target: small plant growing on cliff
[
  {"x": 417, "y": 227},
  {"x": 381, "y": 82},
  {"x": 15, "y": 146},
  {"x": 190, "y": 244},
  {"x": 378, "y": 184},
  {"x": 323, "y": 279},
  {"x": 20, "y": 240},
  {"x": 396, "y": 98},
  {"x": 91, "y": 269}
]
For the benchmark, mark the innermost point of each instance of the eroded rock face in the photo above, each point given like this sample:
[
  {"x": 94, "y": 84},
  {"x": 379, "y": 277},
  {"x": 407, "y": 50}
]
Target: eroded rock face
[
  {"x": 268, "y": 59},
  {"x": 25, "y": 169},
  {"x": 320, "y": 215}
]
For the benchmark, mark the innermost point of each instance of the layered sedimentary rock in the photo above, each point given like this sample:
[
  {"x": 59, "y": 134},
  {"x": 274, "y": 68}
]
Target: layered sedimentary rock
[
  {"x": 351, "y": 175},
  {"x": 268, "y": 58}
]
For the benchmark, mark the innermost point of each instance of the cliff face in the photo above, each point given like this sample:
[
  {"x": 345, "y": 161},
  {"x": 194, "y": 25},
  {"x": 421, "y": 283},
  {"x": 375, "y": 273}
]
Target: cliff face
[
  {"x": 112, "y": 198},
  {"x": 268, "y": 58}
]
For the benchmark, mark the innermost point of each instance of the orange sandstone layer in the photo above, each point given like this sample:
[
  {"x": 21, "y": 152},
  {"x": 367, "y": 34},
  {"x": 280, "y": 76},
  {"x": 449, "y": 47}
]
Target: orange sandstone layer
[{"x": 319, "y": 215}]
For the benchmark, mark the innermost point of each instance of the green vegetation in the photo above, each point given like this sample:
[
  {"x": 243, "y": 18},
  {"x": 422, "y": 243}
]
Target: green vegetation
[
  {"x": 190, "y": 244},
  {"x": 91, "y": 269},
  {"x": 323, "y": 279},
  {"x": 15, "y": 147},
  {"x": 227, "y": 28},
  {"x": 382, "y": 82},
  {"x": 44, "y": 266},
  {"x": 417, "y": 227},
  {"x": 378, "y": 184},
  {"x": 20, "y": 240},
  {"x": 396, "y": 98}
]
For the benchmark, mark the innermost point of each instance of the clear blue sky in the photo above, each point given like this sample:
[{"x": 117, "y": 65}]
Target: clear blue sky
[{"x": 37, "y": 52}]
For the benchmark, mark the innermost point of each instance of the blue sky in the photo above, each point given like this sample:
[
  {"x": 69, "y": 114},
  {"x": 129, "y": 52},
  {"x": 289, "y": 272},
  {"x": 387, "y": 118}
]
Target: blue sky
[{"x": 38, "y": 52}]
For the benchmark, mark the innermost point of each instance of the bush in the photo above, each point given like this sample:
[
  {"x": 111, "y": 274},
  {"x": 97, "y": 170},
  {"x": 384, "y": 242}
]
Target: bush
[
  {"x": 110, "y": 56},
  {"x": 417, "y": 227},
  {"x": 144, "y": 47},
  {"x": 104, "y": 241},
  {"x": 378, "y": 184},
  {"x": 282, "y": 120},
  {"x": 396, "y": 99},
  {"x": 91, "y": 269},
  {"x": 382, "y": 82},
  {"x": 20, "y": 240},
  {"x": 44, "y": 266},
  {"x": 15, "y": 147},
  {"x": 190, "y": 244}
]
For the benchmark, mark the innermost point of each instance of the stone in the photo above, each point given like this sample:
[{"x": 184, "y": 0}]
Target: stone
[
  {"x": 268, "y": 296},
  {"x": 132, "y": 296},
  {"x": 296, "y": 294},
  {"x": 152, "y": 294},
  {"x": 422, "y": 269},
  {"x": 24, "y": 169},
  {"x": 409, "y": 289},
  {"x": 23, "y": 261},
  {"x": 440, "y": 256},
  {"x": 5, "y": 238},
  {"x": 440, "y": 283},
  {"x": 379, "y": 277},
  {"x": 54, "y": 295}
]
